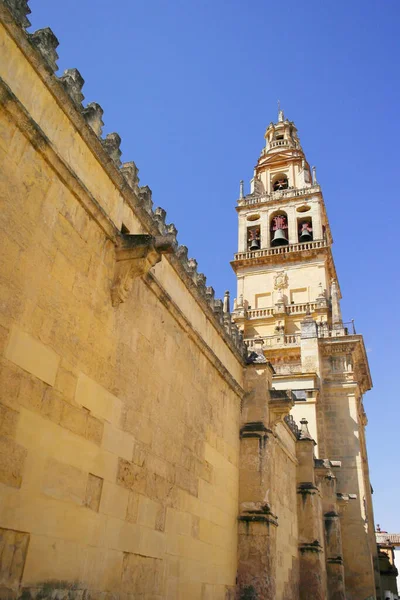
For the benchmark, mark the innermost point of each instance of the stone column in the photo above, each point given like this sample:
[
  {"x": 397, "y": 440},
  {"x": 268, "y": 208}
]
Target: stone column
[
  {"x": 257, "y": 524},
  {"x": 309, "y": 511}
]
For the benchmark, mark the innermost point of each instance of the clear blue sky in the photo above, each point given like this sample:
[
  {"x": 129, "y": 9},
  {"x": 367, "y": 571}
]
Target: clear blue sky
[{"x": 190, "y": 86}]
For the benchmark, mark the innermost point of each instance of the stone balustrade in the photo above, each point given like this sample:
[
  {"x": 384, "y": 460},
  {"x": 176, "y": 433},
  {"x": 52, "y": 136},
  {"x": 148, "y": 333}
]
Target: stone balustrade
[
  {"x": 274, "y": 340},
  {"x": 288, "y": 193},
  {"x": 291, "y": 309},
  {"x": 282, "y": 250}
]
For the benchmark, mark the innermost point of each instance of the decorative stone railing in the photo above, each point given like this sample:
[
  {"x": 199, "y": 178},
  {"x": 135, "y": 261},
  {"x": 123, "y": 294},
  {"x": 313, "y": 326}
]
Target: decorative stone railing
[
  {"x": 288, "y": 193},
  {"x": 274, "y": 340},
  {"x": 259, "y": 313},
  {"x": 278, "y": 143},
  {"x": 294, "y": 309},
  {"x": 282, "y": 250},
  {"x": 291, "y": 309},
  {"x": 339, "y": 330}
]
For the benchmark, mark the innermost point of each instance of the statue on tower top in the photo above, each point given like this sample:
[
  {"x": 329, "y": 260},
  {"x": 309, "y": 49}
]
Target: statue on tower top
[{"x": 281, "y": 116}]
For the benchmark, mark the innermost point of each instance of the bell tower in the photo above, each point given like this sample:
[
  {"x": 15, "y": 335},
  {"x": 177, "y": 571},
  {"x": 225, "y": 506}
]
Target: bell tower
[{"x": 288, "y": 309}]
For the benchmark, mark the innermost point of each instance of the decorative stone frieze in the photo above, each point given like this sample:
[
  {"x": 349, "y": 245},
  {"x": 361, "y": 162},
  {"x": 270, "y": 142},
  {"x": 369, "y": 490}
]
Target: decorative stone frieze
[{"x": 135, "y": 256}]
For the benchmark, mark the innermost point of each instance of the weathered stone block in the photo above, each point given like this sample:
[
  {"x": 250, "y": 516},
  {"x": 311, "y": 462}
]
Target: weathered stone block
[
  {"x": 93, "y": 493},
  {"x": 74, "y": 419},
  {"x": 13, "y": 549},
  {"x": 94, "y": 430},
  {"x": 114, "y": 500},
  {"x": 8, "y": 421},
  {"x": 142, "y": 574},
  {"x": 130, "y": 476},
  {"x": 33, "y": 356},
  {"x": 64, "y": 481},
  {"x": 46, "y": 42},
  {"x": 12, "y": 462}
]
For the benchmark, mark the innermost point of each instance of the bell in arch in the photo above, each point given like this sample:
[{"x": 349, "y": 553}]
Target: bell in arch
[
  {"x": 305, "y": 233},
  {"x": 254, "y": 239},
  {"x": 279, "y": 229}
]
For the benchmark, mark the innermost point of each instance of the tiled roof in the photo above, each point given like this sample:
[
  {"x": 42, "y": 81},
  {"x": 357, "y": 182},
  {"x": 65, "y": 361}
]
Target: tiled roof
[{"x": 388, "y": 538}]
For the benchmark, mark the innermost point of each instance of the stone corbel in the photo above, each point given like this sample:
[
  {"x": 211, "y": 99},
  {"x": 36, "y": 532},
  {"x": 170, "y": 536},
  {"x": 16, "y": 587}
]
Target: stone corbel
[
  {"x": 136, "y": 254},
  {"x": 280, "y": 405}
]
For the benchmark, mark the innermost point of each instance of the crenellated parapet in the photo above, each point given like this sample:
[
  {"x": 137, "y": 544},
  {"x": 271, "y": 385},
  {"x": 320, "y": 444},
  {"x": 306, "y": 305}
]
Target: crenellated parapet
[{"x": 71, "y": 82}]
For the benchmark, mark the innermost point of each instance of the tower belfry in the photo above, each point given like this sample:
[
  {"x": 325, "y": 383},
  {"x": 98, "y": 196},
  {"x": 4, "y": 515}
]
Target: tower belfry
[{"x": 288, "y": 309}]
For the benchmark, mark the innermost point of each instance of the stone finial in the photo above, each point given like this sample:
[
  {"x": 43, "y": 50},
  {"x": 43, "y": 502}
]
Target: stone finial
[
  {"x": 171, "y": 229},
  {"x": 111, "y": 145},
  {"x": 130, "y": 172},
  {"x": 191, "y": 266},
  {"x": 210, "y": 293},
  {"x": 19, "y": 10},
  {"x": 227, "y": 308},
  {"x": 159, "y": 216},
  {"x": 145, "y": 195},
  {"x": 93, "y": 115},
  {"x": 304, "y": 433},
  {"x": 73, "y": 83},
  {"x": 182, "y": 254},
  {"x": 235, "y": 334},
  {"x": 241, "y": 189},
  {"x": 46, "y": 42},
  {"x": 218, "y": 309},
  {"x": 201, "y": 282},
  {"x": 314, "y": 175},
  {"x": 336, "y": 312}
]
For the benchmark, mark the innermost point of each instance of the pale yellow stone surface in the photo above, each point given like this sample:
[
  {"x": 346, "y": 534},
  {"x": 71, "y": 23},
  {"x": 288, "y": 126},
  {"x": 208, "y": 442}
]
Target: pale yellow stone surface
[
  {"x": 124, "y": 420},
  {"x": 33, "y": 356}
]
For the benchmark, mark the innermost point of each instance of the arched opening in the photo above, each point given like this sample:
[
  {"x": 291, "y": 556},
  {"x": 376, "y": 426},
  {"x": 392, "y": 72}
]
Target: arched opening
[
  {"x": 253, "y": 238},
  {"x": 305, "y": 229},
  {"x": 280, "y": 182},
  {"x": 279, "y": 229}
]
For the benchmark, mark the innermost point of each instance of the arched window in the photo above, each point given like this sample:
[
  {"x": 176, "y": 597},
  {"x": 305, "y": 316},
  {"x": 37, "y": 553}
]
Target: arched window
[
  {"x": 279, "y": 229},
  {"x": 253, "y": 238},
  {"x": 305, "y": 229},
  {"x": 280, "y": 182}
]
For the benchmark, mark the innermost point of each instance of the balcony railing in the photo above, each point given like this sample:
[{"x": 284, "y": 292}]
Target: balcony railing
[
  {"x": 279, "y": 250},
  {"x": 339, "y": 330},
  {"x": 288, "y": 193},
  {"x": 274, "y": 340},
  {"x": 293, "y": 339},
  {"x": 291, "y": 309}
]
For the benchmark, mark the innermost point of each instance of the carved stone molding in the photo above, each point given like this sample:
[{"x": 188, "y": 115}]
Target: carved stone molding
[
  {"x": 281, "y": 280},
  {"x": 135, "y": 256}
]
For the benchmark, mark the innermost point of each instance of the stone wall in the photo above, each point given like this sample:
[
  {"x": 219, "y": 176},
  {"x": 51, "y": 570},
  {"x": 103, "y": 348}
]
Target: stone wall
[{"x": 119, "y": 424}]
